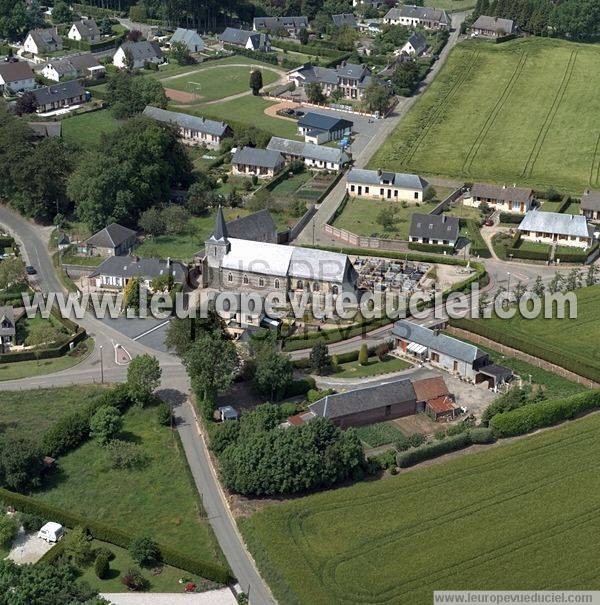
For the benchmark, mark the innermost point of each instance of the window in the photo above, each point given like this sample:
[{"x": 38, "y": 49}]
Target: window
[
  {"x": 315, "y": 287},
  {"x": 246, "y": 280},
  {"x": 335, "y": 290},
  {"x": 351, "y": 187},
  {"x": 229, "y": 277},
  {"x": 416, "y": 195},
  {"x": 261, "y": 282},
  {"x": 388, "y": 410},
  {"x": 366, "y": 190},
  {"x": 381, "y": 192},
  {"x": 299, "y": 284},
  {"x": 277, "y": 284}
]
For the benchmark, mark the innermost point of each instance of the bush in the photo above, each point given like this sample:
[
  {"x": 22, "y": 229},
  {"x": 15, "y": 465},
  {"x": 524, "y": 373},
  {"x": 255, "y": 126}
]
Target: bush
[
  {"x": 144, "y": 551},
  {"x": 416, "y": 439},
  {"x": 482, "y": 434},
  {"x": 105, "y": 552},
  {"x": 9, "y": 528},
  {"x": 124, "y": 454},
  {"x": 545, "y": 413},
  {"x": 300, "y": 386},
  {"x": 163, "y": 414},
  {"x": 77, "y": 547},
  {"x": 134, "y": 580},
  {"x": 433, "y": 450},
  {"x": 101, "y": 566},
  {"x": 105, "y": 423},
  {"x": 314, "y": 394},
  {"x": 431, "y": 248},
  {"x": 31, "y": 522},
  {"x": 363, "y": 356},
  {"x": 384, "y": 461}
]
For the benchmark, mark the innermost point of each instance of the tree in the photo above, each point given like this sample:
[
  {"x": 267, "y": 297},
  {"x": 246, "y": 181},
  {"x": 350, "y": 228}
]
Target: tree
[
  {"x": 377, "y": 97},
  {"x": 199, "y": 196},
  {"x": 17, "y": 17},
  {"x": 538, "y": 286},
  {"x": 556, "y": 284},
  {"x": 131, "y": 293},
  {"x": 152, "y": 221},
  {"x": 128, "y": 95},
  {"x": 9, "y": 528},
  {"x": 320, "y": 360},
  {"x": 143, "y": 378},
  {"x": 26, "y": 103},
  {"x": 519, "y": 290},
  {"x": 101, "y": 566},
  {"x": 61, "y": 13},
  {"x": 363, "y": 355},
  {"x": 77, "y": 546},
  {"x": 273, "y": 375},
  {"x": 134, "y": 35},
  {"x": 592, "y": 274},
  {"x": 256, "y": 81},
  {"x": 386, "y": 218},
  {"x": 314, "y": 93},
  {"x": 12, "y": 271},
  {"x": 182, "y": 332},
  {"x": 175, "y": 218},
  {"x": 144, "y": 551},
  {"x": 181, "y": 53},
  {"x": 303, "y": 36},
  {"x": 105, "y": 424},
  {"x": 382, "y": 351}
]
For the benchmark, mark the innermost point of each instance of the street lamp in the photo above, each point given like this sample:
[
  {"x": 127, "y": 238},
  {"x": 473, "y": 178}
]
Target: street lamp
[
  {"x": 508, "y": 273},
  {"x": 101, "y": 366}
]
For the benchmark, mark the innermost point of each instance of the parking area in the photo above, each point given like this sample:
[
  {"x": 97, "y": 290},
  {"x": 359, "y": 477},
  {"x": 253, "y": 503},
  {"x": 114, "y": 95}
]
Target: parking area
[
  {"x": 149, "y": 331},
  {"x": 28, "y": 548}
]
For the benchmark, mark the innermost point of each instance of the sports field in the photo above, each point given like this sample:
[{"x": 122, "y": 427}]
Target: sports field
[
  {"x": 523, "y": 112},
  {"x": 492, "y": 519}
]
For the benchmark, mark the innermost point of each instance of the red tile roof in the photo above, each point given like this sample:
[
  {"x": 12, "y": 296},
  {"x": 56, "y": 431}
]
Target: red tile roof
[
  {"x": 430, "y": 388},
  {"x": 440, "y": 405}
]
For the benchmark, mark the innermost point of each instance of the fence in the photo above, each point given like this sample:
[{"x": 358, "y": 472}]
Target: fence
[
  {"x": 361, "y": 241},
  {"x": 445, "y": 203}
]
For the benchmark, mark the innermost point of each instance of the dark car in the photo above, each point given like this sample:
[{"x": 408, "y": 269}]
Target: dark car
[{"x": 30, "y": 270}]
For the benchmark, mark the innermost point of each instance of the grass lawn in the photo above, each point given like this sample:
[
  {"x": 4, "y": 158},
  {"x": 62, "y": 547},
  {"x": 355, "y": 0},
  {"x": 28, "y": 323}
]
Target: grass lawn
[
  {"x": 495, "y": 518},
  {"x": 174, "y": 69},
  {"x": 41, "y": 408},
  {"x": 76, "y": 259},
  {"x": 378, "y": 434},
  {"x": 462, "y": 211},
  {"x": 290, "y": 185},
  {"x": 548, "y": 206},
  {"x": 360, "y": 216},
  {"x": 374, "y": 367},
  {"x": 538, "y": 92},
  {"x": 24, "y": 369},
  {"x": 157, "y": 499},
  {"x": 86, "y": 129},
  {"x": 450, "y": 5}
]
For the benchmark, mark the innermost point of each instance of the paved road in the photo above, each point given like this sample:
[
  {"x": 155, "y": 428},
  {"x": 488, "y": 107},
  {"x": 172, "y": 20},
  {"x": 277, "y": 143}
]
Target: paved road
[{"x": 174, "y": 387}]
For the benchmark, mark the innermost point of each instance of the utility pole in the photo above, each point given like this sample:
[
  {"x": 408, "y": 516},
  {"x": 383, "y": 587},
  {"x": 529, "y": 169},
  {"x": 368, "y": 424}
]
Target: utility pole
[{"x": 101, "y": 366}]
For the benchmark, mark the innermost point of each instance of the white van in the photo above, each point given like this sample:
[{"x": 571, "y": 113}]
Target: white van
[{"x": 51, "y": 532}]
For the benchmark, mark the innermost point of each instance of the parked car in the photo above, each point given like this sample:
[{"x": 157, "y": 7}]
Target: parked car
[
  {"x": 51, "y": 532},
  {"x": 30, "y": 270}
]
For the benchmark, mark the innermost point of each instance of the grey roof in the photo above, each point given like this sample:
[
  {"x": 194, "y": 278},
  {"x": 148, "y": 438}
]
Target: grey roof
[
  {"x": 342, "y": 19},
  {"x": 46, "y": 129},
  {"x": 220, "y": 232},
  {"x": 59, "y": 92},
  {"x": 240, "y": 37},
  {"x": 501, "y": 192},
  {"x": 251, "y": 156},
  {"x": 87, "y": 28},
  {"x": 190, "y": 37},
  {"x": 143, "y": 50},
  {"x": 418, "y": 42},
  {"x": 74, "y": 63},
  {"x": 368, "y": 398},
  {"x": 376, "y": 177},
  {"x": 434, "y": 226},
  {"x": 288, "y": 22},
  {"x": 62, "y": 66},
  {"x": 423, "y": 13},
  {"x": 185, "y": 120},
  {"x": 493, "y": 24},
  {"x": 439, "y": 342},
  {"x": 7, "y": 315},
  {"x": 132, "y": 266},
  {"x": 590, "y": 200},
  {"x": 19, "y": 70},
  {"x": 320, "y": 121},
  {"x": 311, "y": 263},
  {"x": 111, "y": 236},
  {"x": 45, "y": 36},
  {"x": 308, "y": 150},
  {"x": 258, "y": 226},
  {"x": 329, "y": 75},
  {"x": 555, "y": 223}
]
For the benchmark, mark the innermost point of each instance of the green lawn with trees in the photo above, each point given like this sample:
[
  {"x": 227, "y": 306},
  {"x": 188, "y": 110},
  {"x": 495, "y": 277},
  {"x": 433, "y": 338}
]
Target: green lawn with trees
[
  {"x": 357, "y": 544},
  {"x": 86, "y": 129},
  {"x": 537, "y": 92}
]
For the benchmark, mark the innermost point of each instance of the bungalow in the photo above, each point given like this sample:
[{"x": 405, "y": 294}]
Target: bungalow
[
  {"x": 16, "y": 76},
  {"x": 140, "y": 53},
  {"x": 348, "y": 78},
  {"x": 416, "y": 45},
  {"x": 493, "y": 27},
  {"x": 317, "y": 157},
  {"x": 450, "y": 354},
  {"x": 506, "y": 199},
  {"x": 344, "y": 20},
  {"x": 368, "y": 405},
  {"x": 436, "y": 229},
  {"x": 7, "y": 328},
  {"x": 42, "y": 41},
  {"x": 60, "y": 95},
  {"x": 193, "y": 130},
  {"x": 113, "y": 240},
  {"x": 320, "y": 128},
  {"x": 590, "y": 205},
  {"x": 263, "y": 163},
  {"x": 556, "y": 228},
  {"x": 116, "y": 271},
  {"x": 379, "y": 184},
  {"x": 84, "y": 65},
  {"x": 422, "y": 16},
  {"x": 190, "y": 37},
  {"x": 434, "y": 398},
  {"x": 246, "y": 39},
  {"x": 271, "y": 24},
  {"x": 85, "y": 30}
]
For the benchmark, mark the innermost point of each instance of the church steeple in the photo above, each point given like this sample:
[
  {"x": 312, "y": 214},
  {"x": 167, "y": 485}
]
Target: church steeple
[
  {"x": 217, "y": 246},
  {"x": 220, "y": 232}
]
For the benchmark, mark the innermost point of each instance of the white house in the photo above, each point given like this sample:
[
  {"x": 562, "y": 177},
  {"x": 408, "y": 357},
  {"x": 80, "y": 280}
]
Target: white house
[
  {"x": 84, "y": 65},
  {"x": 190, "y": 37},
  {"x": 416, "y": 45},
  {"x": 42, "y": 41},
  {"x": 16, "y": 76},
  {"x": 246, "y": 39},
  {"x": 116, "y": 271},
  {"x": 513, "y": 199},
  {"x": 380, "y": 184},
  {"x": 85, "y": 30},
  {"x": 555, "y": 228},
  {"x": 140, "y": 52},
  {"x": 316, "y": 157},
  {"x": 413, "y": 16},
  {"x": 436, "y": 229}
]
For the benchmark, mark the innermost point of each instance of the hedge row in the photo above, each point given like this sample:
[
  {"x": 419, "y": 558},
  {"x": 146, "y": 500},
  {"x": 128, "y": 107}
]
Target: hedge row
[
  {"x": 525, "y": 254},
  {"x": 546, "y": 413},
  {"x": 433, "y": 450},
  {"x": 478, "y": 245},
  {"x": 509, "y": 217},
  {"x": 300, "y": 387},
  {"x": 118, "y": 537},
  {"x": 575, "y": 256},
  {"x": 578, "y": 365},
  {"x": 431, "y": 248},
  {"x": 49, "y": 353},
  {"x": 310, "y": 49},
  {"x": 6, "y": 241}
]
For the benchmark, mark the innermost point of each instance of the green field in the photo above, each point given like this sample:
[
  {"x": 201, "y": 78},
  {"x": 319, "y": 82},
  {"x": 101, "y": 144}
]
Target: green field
[
  {"x": 450, "y": 5},
  {"x": 525, "y": 111},
  {"x": 86, "y": 128},
  {"x": 374, "y": 367},
  {"x": 158, "y": 499},
  {"x": 491, "y": 519}
]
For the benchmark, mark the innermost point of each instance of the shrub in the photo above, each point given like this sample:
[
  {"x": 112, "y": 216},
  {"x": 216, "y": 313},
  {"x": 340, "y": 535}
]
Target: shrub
[
  {"x": 9, "y": 528},
  {"x": 439, "y": 435},
  {"x": 222, "y": 435},
  {"x": 144, "y": 551},
  {"x": 163, "y": 414},
  {"x": 77, "y": 547},
  {"x": 363, "y": 356},
  {"x": 124, "y": 454},
  {"x": 433, "y": 450},
  {"x": 300, "y": 386},
  {"x": 417, "y": 439},
  {"x": 481, "y": 434},
  {"x": 105, "y": 424},
  {"x": 384, "y": 461},
  {"x": 134, "y": 580},
  {"x": 31, "y": 522},
  {"x": 315, "y": 394},
  {"x": 105, "y": 552},
  {"x": 66, "y": 434},
  {"x": 101, "y": 566},
  {"x": 402, "y": 443}
]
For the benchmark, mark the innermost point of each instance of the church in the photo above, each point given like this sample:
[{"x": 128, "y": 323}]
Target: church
[{"x": 242, "y": 265}]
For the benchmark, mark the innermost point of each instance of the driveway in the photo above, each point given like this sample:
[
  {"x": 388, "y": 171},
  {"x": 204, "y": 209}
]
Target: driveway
[
  {"x": 28, "y": 548},
  {"x": 223, "y": 596}
]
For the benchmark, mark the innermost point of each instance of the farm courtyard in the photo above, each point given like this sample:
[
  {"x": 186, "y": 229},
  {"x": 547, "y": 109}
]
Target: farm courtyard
[
  {"x": 525, "y": 112},
  {"x": 495, "y": 518}
]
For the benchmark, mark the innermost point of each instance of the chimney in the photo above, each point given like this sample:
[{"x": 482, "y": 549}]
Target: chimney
[
  {"x": 443, "y": 218},
  {"x": 168, "y": 261},
  {"x": 503, "y": 186},
  {"x": 379, "y": 173}
]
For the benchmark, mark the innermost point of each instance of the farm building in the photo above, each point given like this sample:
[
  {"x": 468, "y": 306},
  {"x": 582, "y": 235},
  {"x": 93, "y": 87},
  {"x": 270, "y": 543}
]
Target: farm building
[
  {"x": 500, "y": 197},
  {"x": 556, "y": 228},
  {"x": 290, "y": 24},
  {"x": 113, "y": 240},
  {"x": 368, "y": 405},
  {"x": 320, "y": 128},
  {"x": 46, "y": 130},
  {"x": 317, "y": 157},
  {"x": 263, "y": 163},
  {"x": 190, "y": 37},
  {"x": 246, "y": 39},
  {"x": 413, "y": 16},
  {"x": 492, "y": 27},
  {"x": 193, "y": 130},
  {"x": 590, "y": 205},
  {"x": 380, "y": 184},
  {"x": 436, "y": 229},
  {"x": 434, "y": 398},
  {"x": 16, "y": 76}
]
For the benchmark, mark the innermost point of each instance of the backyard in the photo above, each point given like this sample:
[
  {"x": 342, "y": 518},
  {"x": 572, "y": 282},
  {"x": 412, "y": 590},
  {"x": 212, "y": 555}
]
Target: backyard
[
  {"x": 373, "y": 367},
  {"x": 86, "y": 129},
  {"x": 494, "y": 518},
  {"x": 537, "y": 92}
]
